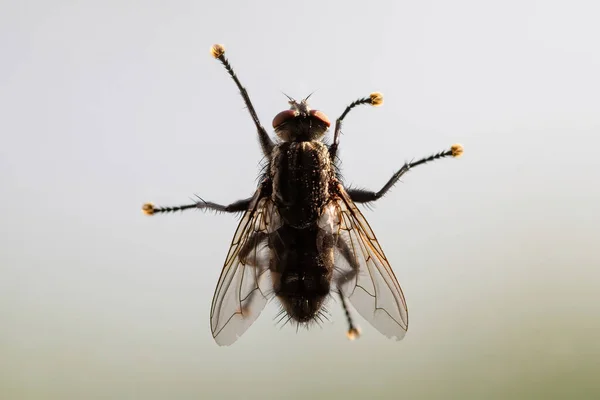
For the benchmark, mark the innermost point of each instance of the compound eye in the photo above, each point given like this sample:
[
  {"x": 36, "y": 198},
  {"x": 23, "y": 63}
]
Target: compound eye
[
  {"x": 283, "y": 117},
  {"x": 320, "y": 116}
]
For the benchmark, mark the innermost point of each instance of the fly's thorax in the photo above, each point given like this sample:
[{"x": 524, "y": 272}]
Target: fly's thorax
[{"x": 301, "y": 173}]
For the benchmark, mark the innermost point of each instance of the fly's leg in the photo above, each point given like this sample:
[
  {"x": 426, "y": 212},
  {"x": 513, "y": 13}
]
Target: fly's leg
[
  {"x": 367, "y": 196},
  {"x": 238, "y": 206},
  {"x": 374, "y": 99},
  {"x": 353, "y": 331},
  {"x": 218, "y": 52},
  {"x": 346, "y": 277},
  {"x": 252, "y": 244},
  {"x": 249, "y": 260}
]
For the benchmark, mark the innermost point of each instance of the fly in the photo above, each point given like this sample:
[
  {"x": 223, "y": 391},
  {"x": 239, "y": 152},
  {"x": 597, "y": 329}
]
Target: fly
[{"x": 301, "y": 237}]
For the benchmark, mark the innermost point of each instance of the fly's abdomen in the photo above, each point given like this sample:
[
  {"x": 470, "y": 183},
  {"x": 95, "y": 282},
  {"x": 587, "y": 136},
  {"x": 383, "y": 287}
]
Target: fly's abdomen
[
  {"x": 301, "y": 173},
  {"x": 301, "y": 269}
]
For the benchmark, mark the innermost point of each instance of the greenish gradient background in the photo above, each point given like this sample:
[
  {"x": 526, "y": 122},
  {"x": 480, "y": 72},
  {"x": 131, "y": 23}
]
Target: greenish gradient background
[{"x": 106, "y": 105}]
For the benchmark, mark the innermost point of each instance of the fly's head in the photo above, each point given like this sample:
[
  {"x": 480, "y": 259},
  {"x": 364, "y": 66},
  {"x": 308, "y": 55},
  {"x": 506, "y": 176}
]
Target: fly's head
[{"x": 300, "y": 123}]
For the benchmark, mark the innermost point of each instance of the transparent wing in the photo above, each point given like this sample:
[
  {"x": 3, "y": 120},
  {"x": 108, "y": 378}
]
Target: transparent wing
[
  {"x": 245, "y": 284},
  {"x": 364, "y": 272}
]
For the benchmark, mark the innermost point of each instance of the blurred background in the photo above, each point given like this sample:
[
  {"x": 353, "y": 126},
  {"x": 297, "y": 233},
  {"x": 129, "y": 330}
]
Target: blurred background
[{"x": 107, "y": 105}]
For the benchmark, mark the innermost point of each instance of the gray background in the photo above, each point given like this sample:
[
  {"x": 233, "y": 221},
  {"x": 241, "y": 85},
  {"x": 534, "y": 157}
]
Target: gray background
[{"x": 106, "y": 105}]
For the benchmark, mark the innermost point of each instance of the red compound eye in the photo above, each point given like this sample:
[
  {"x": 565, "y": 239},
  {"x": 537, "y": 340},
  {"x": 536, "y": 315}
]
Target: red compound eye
[
  {"x": 320, "y": 116},
  {"x": 283, "y": 117}
]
